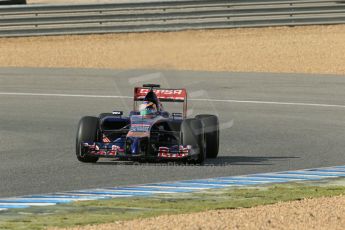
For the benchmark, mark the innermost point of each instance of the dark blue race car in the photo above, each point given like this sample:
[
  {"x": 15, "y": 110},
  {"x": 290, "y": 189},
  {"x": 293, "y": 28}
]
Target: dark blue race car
[{"x": 149, "y": 133}]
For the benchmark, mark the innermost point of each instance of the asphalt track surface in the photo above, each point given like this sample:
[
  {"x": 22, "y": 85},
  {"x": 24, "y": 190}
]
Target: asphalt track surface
[{"x": 270, "y": 122}]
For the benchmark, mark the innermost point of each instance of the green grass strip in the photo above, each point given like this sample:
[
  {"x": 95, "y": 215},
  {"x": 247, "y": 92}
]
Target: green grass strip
[{"x": 105, "y": 211}]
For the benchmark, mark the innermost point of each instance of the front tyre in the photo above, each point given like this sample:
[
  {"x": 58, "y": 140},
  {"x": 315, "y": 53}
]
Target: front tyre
[
  {"x": 211, "y": 127},
  {"x": 87, "y": 132},
  {"x": 193, "y": 134}
]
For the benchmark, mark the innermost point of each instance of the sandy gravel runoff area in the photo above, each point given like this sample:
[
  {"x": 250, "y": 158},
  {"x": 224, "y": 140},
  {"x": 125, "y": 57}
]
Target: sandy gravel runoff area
[
  {"x": 321, "y": 213},
  {"x": 310, "y": 49}
]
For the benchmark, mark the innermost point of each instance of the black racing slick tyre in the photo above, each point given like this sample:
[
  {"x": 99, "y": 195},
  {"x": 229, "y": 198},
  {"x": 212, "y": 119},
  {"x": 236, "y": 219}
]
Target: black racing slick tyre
[
  {"x": 211, "y": 128},
  {"x": 193, "y": 134},
  {"x": 87, "y": 132}
]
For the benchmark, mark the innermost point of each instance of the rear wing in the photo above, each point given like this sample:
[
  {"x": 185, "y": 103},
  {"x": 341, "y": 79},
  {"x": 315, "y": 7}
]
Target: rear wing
[
  {"x": 164, "y": 95},
  {"x": 172, "y": 95}
]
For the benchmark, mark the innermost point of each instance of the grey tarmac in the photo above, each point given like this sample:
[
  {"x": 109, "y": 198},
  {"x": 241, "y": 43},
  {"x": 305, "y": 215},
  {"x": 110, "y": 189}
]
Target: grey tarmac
[{"x": 270, "y": 122}]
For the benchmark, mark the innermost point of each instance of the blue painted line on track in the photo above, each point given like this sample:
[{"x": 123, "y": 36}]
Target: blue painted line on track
[
  {"x": 71, "y": 197},
  {"x": 110, "y": 193},
  {"x": 328, "y": 170},
  {"x": 298, "y": 175},
  {"x": 316, "y": 173},
  {"x": 152, "y": 189},
  {"x": 288, "y": 177},
  {"x": 14, "y": 206},
  {"x": 259, "y": 180},
  {"x": 181, "y": 184},
  {"x": 172, "y": 187},
  {"x": 343, "y": 166},
  {"x": 220, "y": 183},
  {"x": 36, "y": 201},
  {"x": 252, "y": 178}
]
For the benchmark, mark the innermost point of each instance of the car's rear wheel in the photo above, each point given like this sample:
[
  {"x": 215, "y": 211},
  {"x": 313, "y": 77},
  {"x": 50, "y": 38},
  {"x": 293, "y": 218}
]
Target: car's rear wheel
[
  {"x": 87, "y": 132},
  {"x": 193, "y": 134},
  {"x": 211, "y": 127}
]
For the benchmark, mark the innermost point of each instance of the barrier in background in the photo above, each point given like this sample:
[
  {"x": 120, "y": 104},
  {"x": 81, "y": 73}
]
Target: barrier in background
[
  {"x": 12, "y": 2},
  {"x": 165, "y": 15}
]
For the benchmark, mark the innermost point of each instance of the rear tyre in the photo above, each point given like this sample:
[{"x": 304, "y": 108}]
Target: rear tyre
[
  {"x": 193, "y": 134},
  {"x": 211, "y": 127},
  {"x": 87, "y": 132}
]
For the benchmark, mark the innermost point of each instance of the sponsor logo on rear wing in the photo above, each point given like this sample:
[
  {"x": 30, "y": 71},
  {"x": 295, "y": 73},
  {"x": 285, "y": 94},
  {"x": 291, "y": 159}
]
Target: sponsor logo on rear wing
[{"x": 178, "y": 95}]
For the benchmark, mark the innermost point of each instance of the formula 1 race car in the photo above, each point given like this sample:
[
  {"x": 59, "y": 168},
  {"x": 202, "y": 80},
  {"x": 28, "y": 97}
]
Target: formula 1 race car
[{"x": 149, "y": 133}]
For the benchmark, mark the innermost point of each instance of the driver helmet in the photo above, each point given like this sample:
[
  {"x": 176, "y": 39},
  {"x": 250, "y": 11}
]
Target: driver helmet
[{"x": 147, "y": 108}]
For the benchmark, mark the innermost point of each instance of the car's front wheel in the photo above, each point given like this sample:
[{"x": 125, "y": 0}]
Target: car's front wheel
[
  {"x": 211, "y": 127},
  {"x": 87, "y": 132},
  {"x": 193, "y": 134}
]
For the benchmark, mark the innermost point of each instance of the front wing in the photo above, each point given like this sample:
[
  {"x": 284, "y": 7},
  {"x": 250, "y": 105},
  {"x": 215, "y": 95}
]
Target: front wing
[{"x": 111, "y": 150}]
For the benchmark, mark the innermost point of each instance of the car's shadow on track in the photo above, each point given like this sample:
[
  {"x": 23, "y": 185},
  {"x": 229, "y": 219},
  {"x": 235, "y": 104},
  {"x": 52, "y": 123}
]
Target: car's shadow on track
[{"x": 220, "y": 161}]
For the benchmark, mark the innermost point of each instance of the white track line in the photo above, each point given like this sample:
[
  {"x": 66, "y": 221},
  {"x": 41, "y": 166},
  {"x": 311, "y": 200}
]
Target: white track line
[
  {"x": 141, "y": 191},
  {"x": 195, "y": 99},
  {"x": 62, "y": 95},
  {"x": 271, "y": 103},
  {"x": 317, "y": 173},
  {"x": 100, "y": 195},
  {"x": 27, "y": 204},
  {"x": 245, "y": 181},
  {"x": 48, "y": 198},
  {"x": 293, "y": 176},
  {"x": 172, "y": 187}
]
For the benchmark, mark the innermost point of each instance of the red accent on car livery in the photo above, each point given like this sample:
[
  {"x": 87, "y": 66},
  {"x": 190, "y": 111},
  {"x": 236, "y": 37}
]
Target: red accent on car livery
[
  {"x": 162, "y": 94},
  {"x": 95, "y": 150},
  {"x": 164, "y": 152},
  {"x": 105, "y": 139}
]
